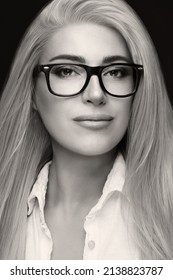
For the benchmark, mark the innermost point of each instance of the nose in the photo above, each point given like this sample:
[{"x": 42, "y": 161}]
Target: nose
[{"x": 94, "y": 93}]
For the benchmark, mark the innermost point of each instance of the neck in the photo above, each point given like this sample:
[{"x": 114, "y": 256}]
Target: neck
[{"x": 76, "y": 180}]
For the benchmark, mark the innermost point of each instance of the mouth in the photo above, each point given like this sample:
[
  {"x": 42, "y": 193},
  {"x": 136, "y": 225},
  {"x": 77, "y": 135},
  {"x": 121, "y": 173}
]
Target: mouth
[
  {"x": 95, "y": 121},
  {"x": 94, "y": 118}
]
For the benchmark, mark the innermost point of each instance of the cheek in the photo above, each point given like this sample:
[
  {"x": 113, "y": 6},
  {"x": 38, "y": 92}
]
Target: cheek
[
  {"x": 48, "y": 105},
  {"x": 123, "y": 113},
  {"x": 55, "y": 113},
  {"x": 52, "y": 116}
]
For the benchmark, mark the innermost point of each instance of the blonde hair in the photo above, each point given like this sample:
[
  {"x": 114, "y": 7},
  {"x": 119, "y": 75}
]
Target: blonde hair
[{"x": 25, "y": 144}]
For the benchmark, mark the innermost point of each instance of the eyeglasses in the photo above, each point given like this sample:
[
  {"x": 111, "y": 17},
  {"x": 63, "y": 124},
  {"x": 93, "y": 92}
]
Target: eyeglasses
[{"x": 66, "y": 79}]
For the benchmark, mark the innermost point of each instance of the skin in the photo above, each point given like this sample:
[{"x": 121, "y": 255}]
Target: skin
[{"x": 82, "y": 156}]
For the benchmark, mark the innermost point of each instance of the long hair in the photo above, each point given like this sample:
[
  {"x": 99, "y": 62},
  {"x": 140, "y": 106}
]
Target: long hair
[{"x": 25, "y": 144}]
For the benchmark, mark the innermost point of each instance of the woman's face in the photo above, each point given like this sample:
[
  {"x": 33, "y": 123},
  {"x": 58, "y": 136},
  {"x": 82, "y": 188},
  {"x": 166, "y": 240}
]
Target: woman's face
[{"x": 93, "y": 122}]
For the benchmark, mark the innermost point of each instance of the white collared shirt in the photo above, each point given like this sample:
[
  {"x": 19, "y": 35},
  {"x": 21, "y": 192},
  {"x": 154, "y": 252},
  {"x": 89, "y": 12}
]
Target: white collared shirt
[{"x": 108, "y": 236}]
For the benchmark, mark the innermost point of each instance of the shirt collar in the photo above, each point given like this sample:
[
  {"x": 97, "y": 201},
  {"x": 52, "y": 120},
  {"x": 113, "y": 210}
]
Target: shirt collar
[
  {"x": 114, "y": 182},
  {"x": 116, "y": 177},
  {"x": 39, "y": 189}
]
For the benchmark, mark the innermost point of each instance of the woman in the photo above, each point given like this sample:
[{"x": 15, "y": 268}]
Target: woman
[{"x": 86, "y": 139}]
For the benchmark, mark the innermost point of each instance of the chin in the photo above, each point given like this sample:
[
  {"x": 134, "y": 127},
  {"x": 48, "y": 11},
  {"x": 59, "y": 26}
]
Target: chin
[
  {"x": 94, "y": 151},
  {"x": 86, "y": 147}
]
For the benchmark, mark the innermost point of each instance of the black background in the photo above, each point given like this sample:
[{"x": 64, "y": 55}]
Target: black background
[{"x": 157, "y": 16}]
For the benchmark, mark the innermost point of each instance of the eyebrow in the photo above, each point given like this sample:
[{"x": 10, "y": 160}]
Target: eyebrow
[
  {"x": 76, "y": 58},
  {"x": 113, "y": 58},
  {"x": 81, "y": 59}
]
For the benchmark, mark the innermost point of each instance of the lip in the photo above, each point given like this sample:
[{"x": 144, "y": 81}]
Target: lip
[
  {"x": 95, "y": 121},
  {"x": 94, "y": 117}
]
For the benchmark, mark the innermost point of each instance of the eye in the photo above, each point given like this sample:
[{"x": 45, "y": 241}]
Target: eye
[
  {"x": 117, "y": 72},
  {"x": 65, "y": 71}
]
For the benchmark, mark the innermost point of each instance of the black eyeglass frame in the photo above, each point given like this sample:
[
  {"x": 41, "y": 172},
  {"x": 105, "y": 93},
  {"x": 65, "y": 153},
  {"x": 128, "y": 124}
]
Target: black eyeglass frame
[{"x": 90, "y": 70}]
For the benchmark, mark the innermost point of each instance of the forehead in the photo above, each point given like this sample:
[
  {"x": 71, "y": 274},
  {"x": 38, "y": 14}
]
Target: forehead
[{"x": 90, "y": 41}]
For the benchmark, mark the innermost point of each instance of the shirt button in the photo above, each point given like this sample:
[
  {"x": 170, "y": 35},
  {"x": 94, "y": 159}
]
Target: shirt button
[{"x": 91, "y": 244}]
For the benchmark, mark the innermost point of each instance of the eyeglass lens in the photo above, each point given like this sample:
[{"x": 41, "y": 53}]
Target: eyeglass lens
[{"x": 70, "y": 79}]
